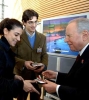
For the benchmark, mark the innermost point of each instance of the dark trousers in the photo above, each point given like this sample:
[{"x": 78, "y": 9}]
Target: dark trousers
[{"x": 29, "y": 75}]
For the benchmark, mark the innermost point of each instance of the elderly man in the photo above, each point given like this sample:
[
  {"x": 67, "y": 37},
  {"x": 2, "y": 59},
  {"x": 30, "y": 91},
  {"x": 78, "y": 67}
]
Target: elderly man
[{"x": 73, "y": 85}]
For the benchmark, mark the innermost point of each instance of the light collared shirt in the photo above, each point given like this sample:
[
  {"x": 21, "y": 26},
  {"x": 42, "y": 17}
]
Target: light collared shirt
[
  {"x": 80, "y": 52},
  {"x": 30, "y": 34}
]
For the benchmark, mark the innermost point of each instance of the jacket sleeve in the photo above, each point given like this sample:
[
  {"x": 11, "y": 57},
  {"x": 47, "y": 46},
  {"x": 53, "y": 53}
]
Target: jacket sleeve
[
  {"x": 19, "y": 66},
  {"x": 8, "y": 86},
  {"x": 71, "y": 89},
  {"x": 68, "y": 92},
  {"x": 62, "y": 77},
  {"x": 72, "y": 93}
]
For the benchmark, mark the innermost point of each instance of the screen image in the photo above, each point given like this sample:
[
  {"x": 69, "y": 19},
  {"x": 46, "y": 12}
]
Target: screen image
[{"x": 54, "y": 29}]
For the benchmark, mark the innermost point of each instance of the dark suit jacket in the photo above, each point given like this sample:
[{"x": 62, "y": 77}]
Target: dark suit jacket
[
  {"x": 9, "y": 87},
  {"x": 75, "y": 84},
  {"x": 24, "y": 51}
]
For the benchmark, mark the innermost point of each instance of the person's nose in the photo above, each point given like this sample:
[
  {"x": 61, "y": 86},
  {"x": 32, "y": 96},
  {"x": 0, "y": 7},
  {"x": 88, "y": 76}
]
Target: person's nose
[
  {"x": 34, "y": 24},
  {"x": 18, "y": 38},
  {"x": 66, "y": 39}
]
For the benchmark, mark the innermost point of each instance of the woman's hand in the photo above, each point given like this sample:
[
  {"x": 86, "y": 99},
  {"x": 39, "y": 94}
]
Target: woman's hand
[
  {"x": 18, "y": 77},
  {"x": 28, "y": 87}
]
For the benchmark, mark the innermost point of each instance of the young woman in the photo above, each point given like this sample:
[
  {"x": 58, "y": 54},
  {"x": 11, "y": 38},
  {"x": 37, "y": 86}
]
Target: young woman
[{"x": 10, "y": 84}]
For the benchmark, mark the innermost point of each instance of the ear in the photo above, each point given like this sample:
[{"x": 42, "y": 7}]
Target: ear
[
  {"x": 85, "y": 35},
  {"x": 5, "y": 31},
  {"x": 24, "y": 23}
]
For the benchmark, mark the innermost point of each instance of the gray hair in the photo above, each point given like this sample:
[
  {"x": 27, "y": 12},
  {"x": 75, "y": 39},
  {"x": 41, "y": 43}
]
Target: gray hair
[{"x": 82, "y": 24}]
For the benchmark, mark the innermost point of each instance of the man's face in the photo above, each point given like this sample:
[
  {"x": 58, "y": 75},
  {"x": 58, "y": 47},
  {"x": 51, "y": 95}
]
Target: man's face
[
  {"x": 73, "y": 38},
  {"x": 30, "y": 25}
]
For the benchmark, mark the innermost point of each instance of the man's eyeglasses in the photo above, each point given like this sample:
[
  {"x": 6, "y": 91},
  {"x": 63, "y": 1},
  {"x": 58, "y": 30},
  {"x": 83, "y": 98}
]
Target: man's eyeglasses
[{"x": 33, "y": 22}]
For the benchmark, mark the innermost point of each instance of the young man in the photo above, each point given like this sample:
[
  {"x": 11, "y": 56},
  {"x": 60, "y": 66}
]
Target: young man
[
  {"x": 31, "y": 48},
  {"x": 75, "y": 84}
]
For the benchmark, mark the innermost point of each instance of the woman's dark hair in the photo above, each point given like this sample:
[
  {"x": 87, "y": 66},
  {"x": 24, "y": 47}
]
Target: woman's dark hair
[
  {"x": 28, "y": 14},
  {"x": 9, "y": 24}
]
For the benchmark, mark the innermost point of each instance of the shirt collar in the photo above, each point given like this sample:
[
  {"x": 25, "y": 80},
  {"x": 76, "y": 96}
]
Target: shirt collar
[
  {"x": 30, "y": 34},
  {"x": 81, "y": 52}
]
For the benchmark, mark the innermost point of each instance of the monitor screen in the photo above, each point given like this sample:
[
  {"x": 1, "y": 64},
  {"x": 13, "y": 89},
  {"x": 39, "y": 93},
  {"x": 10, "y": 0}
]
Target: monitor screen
[{"x": 54, "y": 29}]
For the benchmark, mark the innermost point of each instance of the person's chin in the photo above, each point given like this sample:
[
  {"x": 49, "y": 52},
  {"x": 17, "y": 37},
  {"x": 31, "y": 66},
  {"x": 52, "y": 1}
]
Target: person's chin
[
  {"x": 33, "y": 30},
  {"x": 71, "y": 49},
  {"x": 13, "y": 45}
]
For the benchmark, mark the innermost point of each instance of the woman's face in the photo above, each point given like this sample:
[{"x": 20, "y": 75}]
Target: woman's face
[{"x": 13, "y": 36}]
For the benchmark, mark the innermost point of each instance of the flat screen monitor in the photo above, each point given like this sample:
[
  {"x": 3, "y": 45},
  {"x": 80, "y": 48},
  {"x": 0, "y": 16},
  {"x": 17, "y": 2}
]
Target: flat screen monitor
[{"x": 54, "y": 29}]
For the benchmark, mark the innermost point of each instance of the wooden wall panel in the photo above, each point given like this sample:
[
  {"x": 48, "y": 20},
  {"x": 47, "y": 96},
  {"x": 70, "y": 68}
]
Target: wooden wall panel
[{"x": 52, "y": 8}]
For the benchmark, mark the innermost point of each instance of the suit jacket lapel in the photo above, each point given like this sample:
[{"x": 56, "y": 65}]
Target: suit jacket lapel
[
  {"x": 77, "y": 64},
  {"x": 37, "y": 41},
  {"x": 85, "y": 54}
]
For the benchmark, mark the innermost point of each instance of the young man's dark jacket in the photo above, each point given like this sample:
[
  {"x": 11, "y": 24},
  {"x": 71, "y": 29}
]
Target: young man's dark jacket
[
  {"x": 24, "y": 51},
  {"x": 9, "y": 88}
]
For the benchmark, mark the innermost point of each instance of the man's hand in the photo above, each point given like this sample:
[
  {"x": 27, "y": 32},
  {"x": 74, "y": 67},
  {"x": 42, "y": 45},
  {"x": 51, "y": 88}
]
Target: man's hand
[
  {"x": 50, "y": 87},
  {"x": 28, "y": 65},
  {"x": 18, "y": 77},
  {"x": 28, "y": 87},
  {"x": 49, "y": 74},
  {"x": 39, "y": 69}
]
